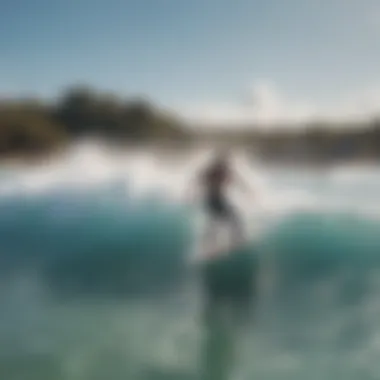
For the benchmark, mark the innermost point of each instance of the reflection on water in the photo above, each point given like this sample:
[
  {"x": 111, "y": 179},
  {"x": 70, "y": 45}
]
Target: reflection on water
[{"x": 228, "y": 292}]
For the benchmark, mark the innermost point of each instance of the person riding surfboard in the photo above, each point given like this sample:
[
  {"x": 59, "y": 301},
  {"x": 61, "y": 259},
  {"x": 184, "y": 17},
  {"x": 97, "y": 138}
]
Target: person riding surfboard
[{"x": 215, "y": 179}]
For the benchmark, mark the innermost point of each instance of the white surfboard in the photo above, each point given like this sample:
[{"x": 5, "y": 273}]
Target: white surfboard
[
  {"x": 212, "y": 253},
  {"x": 220, "y": 245}
]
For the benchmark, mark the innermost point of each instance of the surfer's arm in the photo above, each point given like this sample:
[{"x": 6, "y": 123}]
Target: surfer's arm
[
  {"x": 243, "y": 183},
  {"x": 193, "y": 186}
]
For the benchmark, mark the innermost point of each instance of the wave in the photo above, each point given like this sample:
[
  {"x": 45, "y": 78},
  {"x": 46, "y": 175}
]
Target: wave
[
  {"x": 87, "y": 231},
  {"x": 99, "y": 242}
]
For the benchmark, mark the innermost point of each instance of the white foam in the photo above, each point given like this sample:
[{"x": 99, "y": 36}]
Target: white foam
[{"x": 90, "y": 165}]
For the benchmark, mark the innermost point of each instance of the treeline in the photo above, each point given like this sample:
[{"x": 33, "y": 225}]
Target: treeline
[
  {"x": 316, "y": 142},
  {"x": 325, "y": 143},
  {"x": 32, "y": 126}
]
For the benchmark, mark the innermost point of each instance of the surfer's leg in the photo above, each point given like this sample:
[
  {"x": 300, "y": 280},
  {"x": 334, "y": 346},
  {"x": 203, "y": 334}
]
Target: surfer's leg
[
  {"x": 208, "y": 239},
  {"x": 208, "y": 232},
  {"x": 221, "y": 210},
  {"x": 214, "y": 211},
  {"x": 236, "y": 226}
]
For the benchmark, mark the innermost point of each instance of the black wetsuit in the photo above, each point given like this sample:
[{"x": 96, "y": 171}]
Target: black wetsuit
[{"x": 215, "y": 180}]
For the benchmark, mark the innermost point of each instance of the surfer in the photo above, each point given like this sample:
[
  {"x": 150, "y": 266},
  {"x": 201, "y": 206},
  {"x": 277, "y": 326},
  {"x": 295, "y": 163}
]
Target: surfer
[{"x": 215, "y": 179}]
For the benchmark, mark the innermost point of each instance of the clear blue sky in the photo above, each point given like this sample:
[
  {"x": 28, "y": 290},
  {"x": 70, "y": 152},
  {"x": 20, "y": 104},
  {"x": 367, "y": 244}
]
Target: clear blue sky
[{"x": 184, "y": 51}]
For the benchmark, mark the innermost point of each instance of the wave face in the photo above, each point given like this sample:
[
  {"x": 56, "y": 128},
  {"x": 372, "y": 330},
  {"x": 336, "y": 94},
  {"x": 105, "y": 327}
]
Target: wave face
[
  {"x": 94, "y": 245},
  {"x": 95, "y": 281}
]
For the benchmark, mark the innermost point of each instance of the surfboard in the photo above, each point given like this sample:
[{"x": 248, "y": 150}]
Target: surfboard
[
  {"x": 206, "y": 254},
  {"x": 226, "y": 262}
]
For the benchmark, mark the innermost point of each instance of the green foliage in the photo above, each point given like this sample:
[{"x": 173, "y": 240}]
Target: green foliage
[
  {"x": 84, "y": 111},
  {"x": 30, "y": 126},
  {"x": 26, "y": 128}
]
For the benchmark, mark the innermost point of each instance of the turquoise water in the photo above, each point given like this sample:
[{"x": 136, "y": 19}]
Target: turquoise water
[{"x": 95, "y": 285}]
